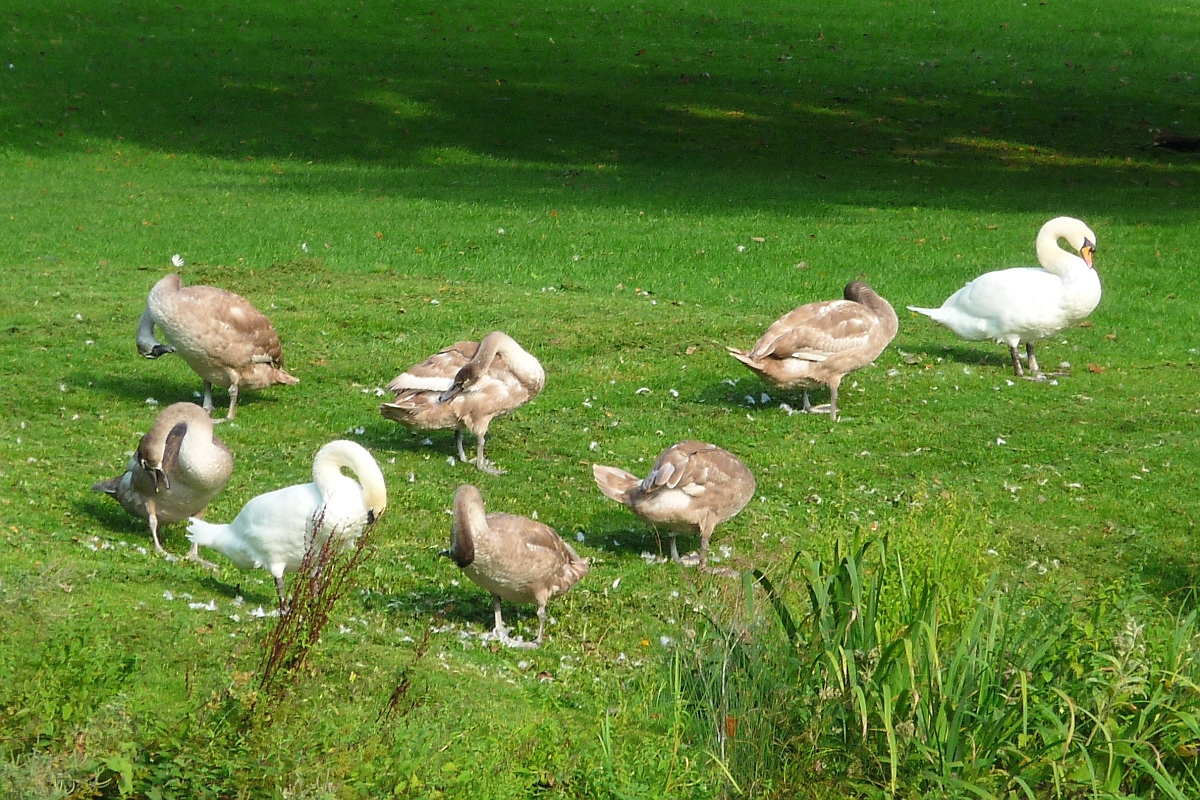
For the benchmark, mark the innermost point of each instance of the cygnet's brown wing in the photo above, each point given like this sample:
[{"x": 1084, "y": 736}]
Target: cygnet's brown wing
[
  {"x": 816, "y": 331},
  {"x": 437, "y": 372},
  {"x": 678, "y": 467},
  {"x": 533, "y": 555},
  {"x": 243, "y": 332},
  {"x": 717, "y": 480}
]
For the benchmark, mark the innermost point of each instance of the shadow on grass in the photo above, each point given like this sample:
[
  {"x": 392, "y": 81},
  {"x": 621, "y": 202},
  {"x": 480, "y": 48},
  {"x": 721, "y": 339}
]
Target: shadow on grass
[
  {"x": 112, "y": 519},
  {"x": 497, "y": 101},
  {"x": 466, "y": 604},
  {"x": 621, "y": 533},
  {"x": 734, "y": 397},
  {"x": 168, "y": 392},
  {"x": 392, "y": 437},
  {"x": 983, "y": 354},
  {"x": 139, "y": 388}
]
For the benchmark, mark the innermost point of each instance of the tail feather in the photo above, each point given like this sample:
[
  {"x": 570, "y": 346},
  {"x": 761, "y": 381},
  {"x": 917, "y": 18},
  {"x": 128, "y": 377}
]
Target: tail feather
[
  {"x": 742, "y": 356},
  {"x": 109, "y": 486},
  {"x": 615, "y": 483},
  {"x": 929, "y": 312},
  {"x": 281, "y": 376},
  {"x": 405, "y": 382},
  {"x": 573, "y": 571},
  {"x": 207, "y": 534},
  {"x": 398, "y": 412}
]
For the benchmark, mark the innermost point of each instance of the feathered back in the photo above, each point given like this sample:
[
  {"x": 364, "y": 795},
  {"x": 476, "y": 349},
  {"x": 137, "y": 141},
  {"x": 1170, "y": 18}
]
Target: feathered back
[
  {"x": 220, "y": 334},
  {"x": 178, "y": 468},
  {"x": 465, "y": 386},
  {"x": 691, "y": 484}
]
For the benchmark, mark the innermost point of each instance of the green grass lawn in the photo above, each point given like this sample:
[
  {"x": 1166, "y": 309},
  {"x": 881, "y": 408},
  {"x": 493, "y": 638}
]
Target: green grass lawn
[{"x": 624, "y": 189}]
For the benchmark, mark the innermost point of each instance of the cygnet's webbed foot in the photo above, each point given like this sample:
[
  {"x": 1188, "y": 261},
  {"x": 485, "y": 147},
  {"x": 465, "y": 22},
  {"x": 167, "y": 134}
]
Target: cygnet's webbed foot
[
  {"x": 170, "y": 557},
  {"x": 194, "y": 555},
  {"x": 483, "y": 465},
  {"x": 521, "y": 644},
  {"x": 690, "y": 560},
  {"x": 500, "y": 636},
  {"x": 824, "y": 408}
]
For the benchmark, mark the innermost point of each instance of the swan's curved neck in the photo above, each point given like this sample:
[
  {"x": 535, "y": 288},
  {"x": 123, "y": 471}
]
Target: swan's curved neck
[
  {"x": 330, "y": 460},
  {"x": 470, "y": 521},
  {"x": 197, "y": 430},
  {"x": 146, "y": 342},
  {"x": 523, "y": 365},
  {"x": 166, "y": 285},
  {"x": 1052, "y": 257},
  {"x": 882, "y": 308}
]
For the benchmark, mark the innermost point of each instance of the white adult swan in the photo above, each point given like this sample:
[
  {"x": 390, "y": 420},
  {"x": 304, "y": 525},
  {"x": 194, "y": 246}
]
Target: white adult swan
[
  {"x": 179, "y": 467},
  {"x": 514, "y": 558},
  {"x": 221, "y": 336},
  {"x": 820, "y": 343},
  {"x": 466, "y": 386},
  {"x": 1027, "y": 304},
  {"x": 274, "y": 530}
]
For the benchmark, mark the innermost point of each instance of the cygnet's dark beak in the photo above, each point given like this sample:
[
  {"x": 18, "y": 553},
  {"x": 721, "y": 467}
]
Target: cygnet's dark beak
[{"x": 157, "y": 350}]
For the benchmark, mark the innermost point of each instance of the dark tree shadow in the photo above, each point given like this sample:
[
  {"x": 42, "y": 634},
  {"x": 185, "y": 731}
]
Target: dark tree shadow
[{"x": 755, "y": 110}]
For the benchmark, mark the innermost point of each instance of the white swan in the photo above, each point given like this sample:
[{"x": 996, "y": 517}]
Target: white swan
[
  {"x": 274, "y": 530},
  {"x": 821, "y": 343},
  {"x": 179, "y": 467},
  {"x": 514, "y": 558},
  {"x": 466, "y": 386},
  {"x": 221, "y": 336},
  {"x": 1026, "y": 304}
]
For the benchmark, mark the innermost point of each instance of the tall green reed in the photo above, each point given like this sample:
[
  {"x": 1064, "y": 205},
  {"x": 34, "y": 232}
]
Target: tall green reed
[{"x": 864, "y": 679}]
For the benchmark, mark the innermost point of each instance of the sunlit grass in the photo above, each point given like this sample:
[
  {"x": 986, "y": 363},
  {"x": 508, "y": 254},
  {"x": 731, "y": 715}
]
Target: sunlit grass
[{"x": 626, "y": 190}]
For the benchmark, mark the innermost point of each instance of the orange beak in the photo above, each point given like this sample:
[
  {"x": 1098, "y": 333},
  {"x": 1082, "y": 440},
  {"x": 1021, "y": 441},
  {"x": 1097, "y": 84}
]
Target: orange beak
[{"x": 1087, "y": 252}]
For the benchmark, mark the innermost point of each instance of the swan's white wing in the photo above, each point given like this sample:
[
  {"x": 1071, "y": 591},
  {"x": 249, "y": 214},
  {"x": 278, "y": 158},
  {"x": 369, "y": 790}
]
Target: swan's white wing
[{"x": 275, "y": 524}]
